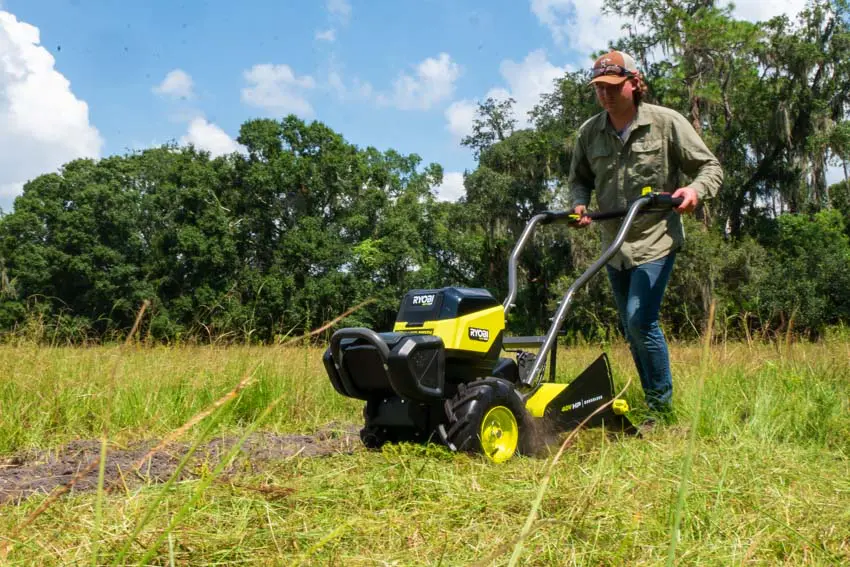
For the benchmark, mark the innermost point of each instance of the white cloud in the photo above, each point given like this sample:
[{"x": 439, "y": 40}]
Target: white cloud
[
  {"x": 581, "y": 24},
  {"x": 339, "y": 14},
  {"x": 529, "y": 79},
  {"x": 277, "y": 89},
  {"x": 210, "y": 137},
  {"x": 451, "y": 189},
  {"x": 177, "y": 84},
  {"x": 584, "y": 27},
  {"x": 460, "y": 115},
  {"x": 340, "y": 9},
  {"x": 356, "y": 90},
  {"x": 44, "y": 125},
  {"x": 335, "y": 82},
  {"x": 326, "y": 35},
  {"x": 758, "y": 10},
  {"x": 433, "y": 83},
  {"x": 526, "y": 82}
]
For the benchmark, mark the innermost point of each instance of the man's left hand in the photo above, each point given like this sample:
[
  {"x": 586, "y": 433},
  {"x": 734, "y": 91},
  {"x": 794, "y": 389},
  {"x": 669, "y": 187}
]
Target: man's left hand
[{"x": 689, "y": 199}]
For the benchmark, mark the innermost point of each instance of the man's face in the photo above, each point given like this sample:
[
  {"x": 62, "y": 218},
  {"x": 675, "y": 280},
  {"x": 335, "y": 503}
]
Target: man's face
[{"x": 615, "y": 98}]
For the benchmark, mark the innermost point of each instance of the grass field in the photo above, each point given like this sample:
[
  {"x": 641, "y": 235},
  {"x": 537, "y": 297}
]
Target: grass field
[{"x": 764, "y": 479}]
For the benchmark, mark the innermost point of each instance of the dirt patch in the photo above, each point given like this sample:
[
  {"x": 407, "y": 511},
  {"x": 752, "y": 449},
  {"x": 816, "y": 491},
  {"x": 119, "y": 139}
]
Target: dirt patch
[{"x": 39, "y": 472}]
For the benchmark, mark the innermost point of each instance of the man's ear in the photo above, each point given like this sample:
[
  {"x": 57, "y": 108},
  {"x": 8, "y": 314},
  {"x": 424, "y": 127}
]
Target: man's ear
[{"x": 638, "y": 84}]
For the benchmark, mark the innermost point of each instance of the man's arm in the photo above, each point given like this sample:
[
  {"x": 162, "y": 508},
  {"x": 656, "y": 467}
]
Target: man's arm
[
  {"x": 581, "y": 179},
  {"x": 695, "y": 159}
]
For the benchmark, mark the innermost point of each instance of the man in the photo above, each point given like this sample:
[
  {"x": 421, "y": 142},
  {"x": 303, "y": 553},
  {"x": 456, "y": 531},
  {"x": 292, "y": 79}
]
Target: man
[{"x": 628, "y": 146}]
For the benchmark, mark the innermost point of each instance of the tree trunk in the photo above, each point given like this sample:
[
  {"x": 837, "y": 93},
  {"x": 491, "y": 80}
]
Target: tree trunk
[{"x": 695, "y": 116}]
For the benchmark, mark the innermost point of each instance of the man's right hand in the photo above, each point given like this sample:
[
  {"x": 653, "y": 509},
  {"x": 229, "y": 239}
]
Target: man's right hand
[{"x": 583, "y": 220}]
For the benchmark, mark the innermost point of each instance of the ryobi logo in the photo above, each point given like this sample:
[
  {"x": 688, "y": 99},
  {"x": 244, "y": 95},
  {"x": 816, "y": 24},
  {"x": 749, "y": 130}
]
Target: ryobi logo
[
  {"x": 482, "y": 335},
  {"x": 426, "y": 300}
]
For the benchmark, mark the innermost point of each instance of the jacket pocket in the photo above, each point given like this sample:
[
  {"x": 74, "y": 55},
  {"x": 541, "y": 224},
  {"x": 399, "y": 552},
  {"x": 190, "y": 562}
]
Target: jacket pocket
[
  {"x": 602, "y": 161},
  {"x": 646, "y": 167},
  {"x": 599, "y": 154}
]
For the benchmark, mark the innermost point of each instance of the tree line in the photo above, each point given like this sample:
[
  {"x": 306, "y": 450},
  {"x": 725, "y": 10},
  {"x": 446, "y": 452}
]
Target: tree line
[{"x": 304, "y": 225}]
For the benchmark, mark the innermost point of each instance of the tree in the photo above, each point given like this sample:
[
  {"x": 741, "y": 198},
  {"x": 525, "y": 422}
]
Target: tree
[
  {"x": 757, "y": 93},
  {"x": 493, "y": 123}
]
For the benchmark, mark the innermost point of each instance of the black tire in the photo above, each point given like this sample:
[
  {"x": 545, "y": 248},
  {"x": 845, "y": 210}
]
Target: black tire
[
  {"x": 466, "y": 412},
  {"x": 373, "y": 437}
]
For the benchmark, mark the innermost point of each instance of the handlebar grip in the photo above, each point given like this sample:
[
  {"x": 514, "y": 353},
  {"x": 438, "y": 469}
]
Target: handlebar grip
[
  {"x": 606, "y": 215},
  {"x": 666, "y": 200},
  {"x": 554, "y": 216},
  {"x": 659, "y": 201}
]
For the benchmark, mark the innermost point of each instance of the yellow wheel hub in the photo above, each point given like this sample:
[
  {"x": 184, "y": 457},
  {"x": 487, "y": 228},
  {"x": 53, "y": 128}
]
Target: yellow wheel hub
[{"x": 499, "y": 434}]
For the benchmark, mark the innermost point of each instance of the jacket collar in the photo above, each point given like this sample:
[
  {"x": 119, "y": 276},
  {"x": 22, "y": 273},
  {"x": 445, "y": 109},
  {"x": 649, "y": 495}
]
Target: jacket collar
[{"x": 640, "y": 119}]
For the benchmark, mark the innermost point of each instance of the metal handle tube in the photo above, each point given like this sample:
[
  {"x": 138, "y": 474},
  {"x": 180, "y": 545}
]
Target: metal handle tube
[
  {"x": 514, "y": 260},
  {"x": 561, "y": 313}
]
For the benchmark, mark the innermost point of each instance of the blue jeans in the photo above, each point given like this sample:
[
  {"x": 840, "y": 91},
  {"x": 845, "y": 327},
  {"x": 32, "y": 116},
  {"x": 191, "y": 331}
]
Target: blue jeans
[{"x": 638, "y": 292}]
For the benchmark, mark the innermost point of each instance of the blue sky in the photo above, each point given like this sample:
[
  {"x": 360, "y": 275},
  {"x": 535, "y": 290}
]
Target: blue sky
[{"x": 102, "y": 77}]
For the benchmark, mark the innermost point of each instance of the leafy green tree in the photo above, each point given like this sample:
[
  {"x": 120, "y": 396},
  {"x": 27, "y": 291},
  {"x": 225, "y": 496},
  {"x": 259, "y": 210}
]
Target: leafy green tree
[
  {"x": 304, "y": 225},
  {"x": 74, "y": 242},
  {"x": 809, "y": 273}
]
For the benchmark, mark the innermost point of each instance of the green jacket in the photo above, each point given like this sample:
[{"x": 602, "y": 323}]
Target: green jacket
[{"x": 661, "y": 148}]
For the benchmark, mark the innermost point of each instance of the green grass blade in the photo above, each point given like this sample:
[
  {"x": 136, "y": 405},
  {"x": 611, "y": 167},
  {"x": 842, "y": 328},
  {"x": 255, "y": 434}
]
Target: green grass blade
[
  {"x": 205, "y": 483},
  {"x": 98, "y": 509},
  {"x": 164, "y": 490}
]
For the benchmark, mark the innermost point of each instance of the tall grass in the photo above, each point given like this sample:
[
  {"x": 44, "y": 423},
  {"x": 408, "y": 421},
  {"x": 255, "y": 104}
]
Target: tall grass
[
  {"x": 52, "y": 395},
  {"x": 768, "y": 481}
]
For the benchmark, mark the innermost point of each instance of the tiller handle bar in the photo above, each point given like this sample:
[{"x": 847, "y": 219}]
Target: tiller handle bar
[{"x": 650, "y": 202}]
